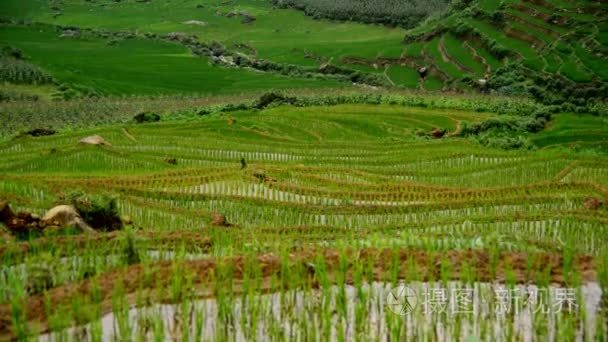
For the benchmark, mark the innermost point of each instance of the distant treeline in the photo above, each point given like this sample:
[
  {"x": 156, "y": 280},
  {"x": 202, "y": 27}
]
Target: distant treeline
[{"x": 404, "y": 13}]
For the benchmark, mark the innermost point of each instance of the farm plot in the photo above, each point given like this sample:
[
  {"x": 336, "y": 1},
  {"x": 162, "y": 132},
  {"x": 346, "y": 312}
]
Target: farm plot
[
  {"x": 126, "y": 67},
  {"x": 301, "y": 222},
  {"x": 269, "y": 36}
]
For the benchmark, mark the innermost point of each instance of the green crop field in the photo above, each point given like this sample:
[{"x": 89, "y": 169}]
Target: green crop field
[
  {"x": 303, "y": 170},
  {"x": 126, "y": 67}
]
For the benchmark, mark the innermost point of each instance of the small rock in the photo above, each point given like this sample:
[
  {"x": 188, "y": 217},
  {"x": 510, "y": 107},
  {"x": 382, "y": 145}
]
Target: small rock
[
  {"x": 66, "y": 216},
  {"x": 195, "y": 22},
  {"x": 94, "y": 140}
]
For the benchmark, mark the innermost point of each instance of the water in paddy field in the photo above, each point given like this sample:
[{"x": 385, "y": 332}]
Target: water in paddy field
[{"x": 376, "y": 311}]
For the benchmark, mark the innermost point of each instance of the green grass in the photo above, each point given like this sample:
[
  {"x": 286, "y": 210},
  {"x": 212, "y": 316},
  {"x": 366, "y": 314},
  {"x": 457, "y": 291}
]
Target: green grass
[
  {"x": 572, "y": 69},
  {"x": 43, "y": 92},
  {"x": 433, "y": 83},
  {"x": 461, "y": 54},
  {"x": 137, "y": 66},
  {"x": 554, "y": 63},
  {"x": 268, "y": 34},
  {"x": 575, "y": 131},
  {"x": 272, "y": 35},
  {"x": 432, "y": 48},
  {"x": 515, "y": 45},
  {"x": 492, "y": 61},
  {"x": 534, "y": 32},
  {"x": 414, "y": 49},
  {"x": 345, "y": 187},
  {"x": 404, "y": 76},
  {"x": 537, "y": 21},
  {"x": 596, "y": 64},
  {"x": 544, "y": 54}
]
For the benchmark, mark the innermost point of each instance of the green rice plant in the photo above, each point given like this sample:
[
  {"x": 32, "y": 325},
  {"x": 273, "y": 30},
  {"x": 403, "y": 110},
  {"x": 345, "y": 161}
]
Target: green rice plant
[{"x": 18, "y": 313}]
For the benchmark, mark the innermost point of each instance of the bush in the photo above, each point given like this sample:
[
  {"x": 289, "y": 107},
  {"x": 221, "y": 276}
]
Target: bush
[
  {"x": 386, "y": 12},
  {"x": 144, "y": 117},
  {"x": 272, "y": 97},
  {"x": 40, "y": 132},
  {"x": 11, "y": 52},
  {"x": 100, "y": 212},
  {"x": 505, "y": 141}
]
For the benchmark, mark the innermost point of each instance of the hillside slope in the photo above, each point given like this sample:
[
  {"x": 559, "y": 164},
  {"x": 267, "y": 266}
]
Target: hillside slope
[{"x": 554, "y": 51}]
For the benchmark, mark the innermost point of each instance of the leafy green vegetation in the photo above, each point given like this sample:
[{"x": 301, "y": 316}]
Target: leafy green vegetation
[
  {"x": 118, "y": 68},
  {"x": 303, "y": 170},
  {"x": 391, "y": 12},
  {"x": 566, "y": 44},
  {"x": 327, "y": 193}
]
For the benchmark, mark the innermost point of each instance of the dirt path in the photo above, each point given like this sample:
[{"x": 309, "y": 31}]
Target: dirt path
[
  {"x": 128, "y": 135},
  {"x": 385, "y": 73}
]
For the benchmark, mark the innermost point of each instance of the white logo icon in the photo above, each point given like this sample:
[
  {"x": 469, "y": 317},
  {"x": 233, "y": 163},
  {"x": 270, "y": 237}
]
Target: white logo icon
[{"x": 401, "y": 300}]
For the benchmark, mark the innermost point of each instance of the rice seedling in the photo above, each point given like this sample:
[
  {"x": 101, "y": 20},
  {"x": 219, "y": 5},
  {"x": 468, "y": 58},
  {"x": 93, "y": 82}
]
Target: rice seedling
[{"x": 313, "y": 236}]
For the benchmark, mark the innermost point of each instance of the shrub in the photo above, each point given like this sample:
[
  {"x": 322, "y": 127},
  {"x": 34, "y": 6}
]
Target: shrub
[
  {"x": 40, "y": 132},
  {"x": 144, "y": 117},
  {"x": 273, "y": 98},
  {"x": 505, "y": 141},
  {"x": 386, "y": 12},
  {"x": 99, "y": 211},
  {"x": 8, "y": 51}
]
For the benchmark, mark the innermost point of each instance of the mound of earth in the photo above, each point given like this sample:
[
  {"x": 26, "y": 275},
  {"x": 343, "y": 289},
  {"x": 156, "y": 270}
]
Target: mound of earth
[
  {"x": 66, "y": 216},
  {"x": 94, "y": 140},
  {"x": 219, "y": 220},
  {"x": 61, "y": 216}
]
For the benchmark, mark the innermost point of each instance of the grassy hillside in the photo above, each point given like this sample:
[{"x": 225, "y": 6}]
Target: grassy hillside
[
  {"x": 271, "y": 36},
  {"x": 541, "y": 49},
  {"x": 136, "y": 66},
  {"x": 243, "y": 170},
  {"x": 550, "y": 50}
]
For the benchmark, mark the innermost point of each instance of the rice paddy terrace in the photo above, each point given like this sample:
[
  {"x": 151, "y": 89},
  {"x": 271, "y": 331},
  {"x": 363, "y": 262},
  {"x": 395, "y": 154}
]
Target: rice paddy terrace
[
  {"x": 323, "y": 211},
  {"x": 548, "y": 37},
  {"x": 459, "y": 45},
  {"x": 340, "y": 208}
]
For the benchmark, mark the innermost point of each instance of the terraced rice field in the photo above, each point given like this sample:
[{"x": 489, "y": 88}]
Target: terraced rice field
[
  {"x": 558, "y": 38},
  {"x": 332, "y": 210}
]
